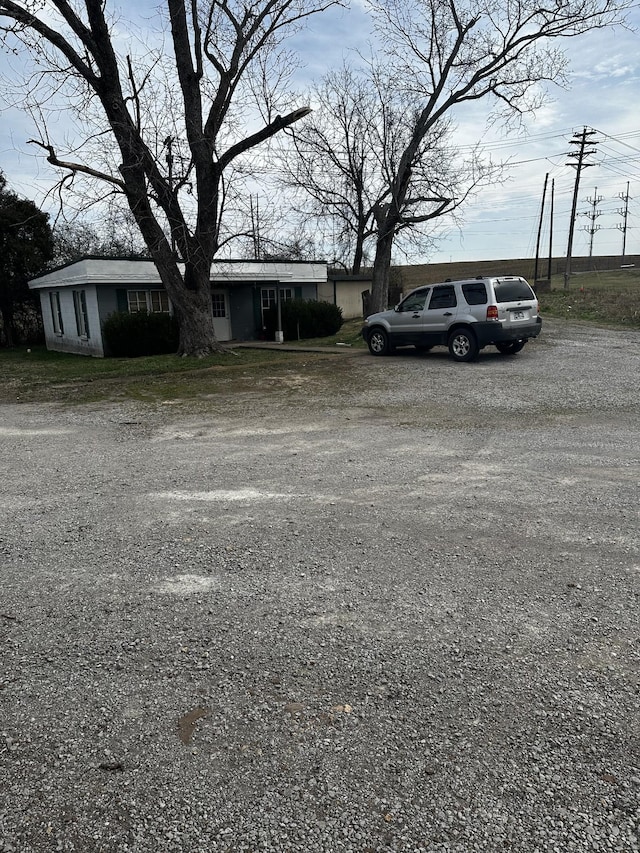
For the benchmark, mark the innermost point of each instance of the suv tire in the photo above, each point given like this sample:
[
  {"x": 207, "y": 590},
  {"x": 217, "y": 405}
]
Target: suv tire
[
  {"x": 378, "y": 342},
  {"x": 463, "y": 345}
]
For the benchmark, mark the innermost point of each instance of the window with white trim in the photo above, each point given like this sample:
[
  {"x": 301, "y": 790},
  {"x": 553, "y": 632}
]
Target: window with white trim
[
  {"x": 137, "y": 300},
  {"x": 56, "y": 313},
  {"x": 218, "y": 305},
  {"x": 151, "y": 301},
  {"x": 159, "y": 302},
  {"x": 82, "y": 316},
  {"x": 268, "y": 297}
]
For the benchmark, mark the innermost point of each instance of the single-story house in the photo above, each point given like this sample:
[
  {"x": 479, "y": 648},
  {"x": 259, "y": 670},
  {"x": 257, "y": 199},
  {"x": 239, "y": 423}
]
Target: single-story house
[{"x": 77, "y": 297}]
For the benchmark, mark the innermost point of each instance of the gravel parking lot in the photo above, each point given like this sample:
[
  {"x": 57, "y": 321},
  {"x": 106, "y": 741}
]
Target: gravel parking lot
[{"x": 389, "y": 605}]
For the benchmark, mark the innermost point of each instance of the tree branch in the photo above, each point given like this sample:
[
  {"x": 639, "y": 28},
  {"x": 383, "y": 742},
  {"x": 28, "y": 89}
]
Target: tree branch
[
  {"x": 30, "y": 22},
  {"x": 269, "y": 130},
  {"x": 77, "y": 167}
]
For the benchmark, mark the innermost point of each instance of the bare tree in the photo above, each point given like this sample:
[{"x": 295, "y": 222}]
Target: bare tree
[
  {"x": 174, "y": 167},
  {"x": 78, "y": 238},
  {"x": 348, "y": 153},
  {"x": 446, "y": 53},
  {"x": 334, "y": 161}
]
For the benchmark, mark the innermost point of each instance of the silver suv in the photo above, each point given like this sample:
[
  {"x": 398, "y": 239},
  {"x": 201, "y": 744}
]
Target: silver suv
[{"x": 463, "y": 315}]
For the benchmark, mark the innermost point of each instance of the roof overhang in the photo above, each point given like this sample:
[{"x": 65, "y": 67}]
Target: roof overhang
[{"x": 122, "y": 271}]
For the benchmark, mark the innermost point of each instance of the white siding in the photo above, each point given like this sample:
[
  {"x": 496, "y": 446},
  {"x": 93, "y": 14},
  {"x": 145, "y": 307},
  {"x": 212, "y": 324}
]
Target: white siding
[{"x": 69, "y": 340}]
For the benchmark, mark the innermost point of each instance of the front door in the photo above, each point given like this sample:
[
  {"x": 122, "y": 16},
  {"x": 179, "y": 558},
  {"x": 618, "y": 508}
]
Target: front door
[
  {"x": 220, "y": 310},
  {"x": 407, "y": 320}
]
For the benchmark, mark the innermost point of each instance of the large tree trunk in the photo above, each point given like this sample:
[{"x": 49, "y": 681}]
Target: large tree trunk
[
  {"x": 189, "y": 292},
  {"x": 192, "y": 307},
  {"x": 381, "y": 268},
  {"x": 195, "y": 319}
]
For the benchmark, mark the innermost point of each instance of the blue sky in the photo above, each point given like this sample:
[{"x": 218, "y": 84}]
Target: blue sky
[
  {"x": 604, "y": 87},
  {"x": 501, "y": 221}
]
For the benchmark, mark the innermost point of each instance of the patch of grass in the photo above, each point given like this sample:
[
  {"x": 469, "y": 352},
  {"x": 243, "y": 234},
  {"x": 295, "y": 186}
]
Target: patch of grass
[
  {"x": 609, "y": 298},
  {"x": 35, "y": 374},
  {"x": 348, "y": 335}
]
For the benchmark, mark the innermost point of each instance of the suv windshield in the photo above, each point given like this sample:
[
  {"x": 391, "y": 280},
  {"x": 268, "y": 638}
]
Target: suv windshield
[{"x": 513, "y": 291}]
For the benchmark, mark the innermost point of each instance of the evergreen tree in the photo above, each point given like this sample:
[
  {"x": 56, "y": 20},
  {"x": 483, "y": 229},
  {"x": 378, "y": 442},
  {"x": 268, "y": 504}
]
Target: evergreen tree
[{"x": 25, "y": 248}]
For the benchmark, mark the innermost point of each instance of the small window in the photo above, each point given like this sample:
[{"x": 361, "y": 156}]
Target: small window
[
  {"x": 218, "y": 305},
  {"x": 159, "y": 302},
  {"x": 56, "y": 313},
  {"x": 82, "y": 316},
  {"x": 137, "y": 300},
  {"x": 268, "y": 297},
  {"x": 151, "y": 301},
  {"x": 443, "y": 297},
  {"x": 475, "y": 293}
]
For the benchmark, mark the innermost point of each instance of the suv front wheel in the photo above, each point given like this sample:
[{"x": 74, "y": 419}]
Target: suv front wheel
[
  {"x": 378, "y": 342},
  {"x": 463, "y": 345}
]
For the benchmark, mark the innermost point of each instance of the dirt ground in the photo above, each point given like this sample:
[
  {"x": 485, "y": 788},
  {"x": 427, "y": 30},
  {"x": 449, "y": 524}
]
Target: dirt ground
[{"x": 370, "y": 604}]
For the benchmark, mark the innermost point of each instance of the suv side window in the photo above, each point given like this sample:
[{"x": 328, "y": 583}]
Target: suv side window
[
  {"x": 443, "y": 297},
  {"x": 415, "y": 301},
  {"x": 475, "y": 293}
]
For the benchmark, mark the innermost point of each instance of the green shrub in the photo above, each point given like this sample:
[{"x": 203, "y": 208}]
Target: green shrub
[
  {"x": 304, "y": 318},
  {"x": 133, "y": 335}
]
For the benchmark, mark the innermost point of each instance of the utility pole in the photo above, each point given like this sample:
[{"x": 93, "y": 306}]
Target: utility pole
[
  {"x": 581, "y": 140},
  {"x": 625, "y": 214},
  {"x": 593, "y": 215},
  {"x": 544, "y": 196},
  {"x": 553, "y": 193}
]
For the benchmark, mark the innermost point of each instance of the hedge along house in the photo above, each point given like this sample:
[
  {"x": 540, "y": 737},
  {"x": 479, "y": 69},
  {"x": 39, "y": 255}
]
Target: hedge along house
[{"x": 77, "y": 298}]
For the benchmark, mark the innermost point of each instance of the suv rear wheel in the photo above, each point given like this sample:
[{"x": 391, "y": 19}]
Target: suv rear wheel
[
  {"x": 378, "y": 342},
  {"x": 463, "y": 345}
]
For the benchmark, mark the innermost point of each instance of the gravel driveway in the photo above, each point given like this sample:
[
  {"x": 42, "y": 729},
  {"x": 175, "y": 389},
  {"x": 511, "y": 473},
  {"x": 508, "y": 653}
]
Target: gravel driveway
[{"x": 389, "y": 606}]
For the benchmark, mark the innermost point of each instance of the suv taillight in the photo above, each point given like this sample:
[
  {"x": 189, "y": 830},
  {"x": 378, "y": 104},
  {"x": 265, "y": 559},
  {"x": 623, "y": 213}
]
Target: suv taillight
[{"x": 492, "y": 312}]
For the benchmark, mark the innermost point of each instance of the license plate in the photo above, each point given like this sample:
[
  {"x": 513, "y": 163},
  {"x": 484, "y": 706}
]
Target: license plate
[{"x": 517, "y": 315}]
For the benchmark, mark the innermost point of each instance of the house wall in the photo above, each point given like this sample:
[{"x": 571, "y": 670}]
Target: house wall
[
  {"x": 105, "y": 282},
  {"x": 69, "y": 340},
  {"x": 346, "y": 294},
  {"x": 107, "y": 301}
]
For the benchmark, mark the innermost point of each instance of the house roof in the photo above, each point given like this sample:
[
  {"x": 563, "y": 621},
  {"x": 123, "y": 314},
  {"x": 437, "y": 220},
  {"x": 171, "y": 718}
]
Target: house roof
[{"x": 143, "y": 272}]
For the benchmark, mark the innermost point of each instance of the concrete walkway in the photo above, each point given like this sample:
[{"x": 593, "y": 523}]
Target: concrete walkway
[{"x": 336, "y": 349}]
